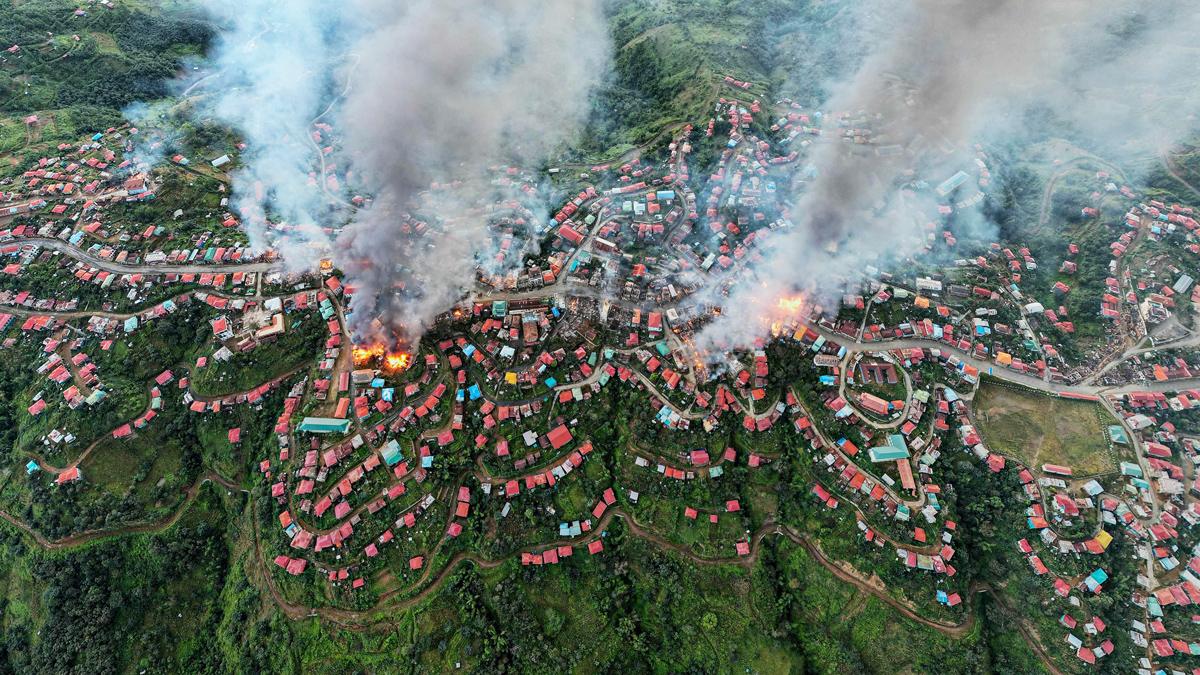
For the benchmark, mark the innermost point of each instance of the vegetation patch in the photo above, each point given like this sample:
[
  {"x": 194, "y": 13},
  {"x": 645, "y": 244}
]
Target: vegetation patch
[{"x": 1039, "y": 429}]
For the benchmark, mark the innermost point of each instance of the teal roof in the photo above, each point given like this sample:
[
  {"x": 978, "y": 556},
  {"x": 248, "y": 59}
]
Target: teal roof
[
  {"x": 1117, "y": 433},
  {"x": 323, "y": 425},
  {"x": 888, "y": 453},
  {"x": 391, "y": 452},
  {"x": 1131, "y": 469}
]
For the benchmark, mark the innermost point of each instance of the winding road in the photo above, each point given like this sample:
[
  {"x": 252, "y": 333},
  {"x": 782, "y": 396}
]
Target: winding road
[{"x": 143, "y": 268}]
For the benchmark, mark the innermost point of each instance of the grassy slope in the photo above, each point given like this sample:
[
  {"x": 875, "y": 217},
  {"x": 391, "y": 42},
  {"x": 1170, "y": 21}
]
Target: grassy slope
[
  {"x": 634, "y": 607},
  {"x": 670, "y": 56},
  {"x": 1040, "y": 429}
]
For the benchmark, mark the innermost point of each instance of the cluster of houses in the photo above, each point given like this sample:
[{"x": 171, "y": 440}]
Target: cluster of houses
[{"x": 513, "y": 376}]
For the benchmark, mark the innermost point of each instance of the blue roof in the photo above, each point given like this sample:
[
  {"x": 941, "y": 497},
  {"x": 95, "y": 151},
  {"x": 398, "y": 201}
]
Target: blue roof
[{"x": 474, "y": 392}]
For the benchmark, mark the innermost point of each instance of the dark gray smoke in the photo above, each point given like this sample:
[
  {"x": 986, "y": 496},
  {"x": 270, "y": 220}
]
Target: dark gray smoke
[
  {"x": 445, "y": 90},
  {"x": 948, "y": 73},
  {"x": 418, "y": 100}
]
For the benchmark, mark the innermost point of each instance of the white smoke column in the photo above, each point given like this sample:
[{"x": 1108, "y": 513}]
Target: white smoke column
[
  {"x": 445, "y": 90},
  {"x": 950, "y": 72},
  {"x": 150, "y": 143},
  {"x": 273, "y": 62}
]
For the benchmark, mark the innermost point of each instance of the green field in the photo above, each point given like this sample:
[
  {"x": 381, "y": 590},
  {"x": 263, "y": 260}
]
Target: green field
[{"x": 1039, "y": 429}]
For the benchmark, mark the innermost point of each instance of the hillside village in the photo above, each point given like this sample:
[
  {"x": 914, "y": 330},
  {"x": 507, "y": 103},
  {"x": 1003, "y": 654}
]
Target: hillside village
[{"x": 1005, "y": 403}]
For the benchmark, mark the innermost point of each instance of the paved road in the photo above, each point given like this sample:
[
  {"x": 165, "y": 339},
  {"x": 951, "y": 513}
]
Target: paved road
[
  {"x": 1000, "y": 372},
  {"x": 142, "y": 267},
  {"x": 852, "y": 346}
]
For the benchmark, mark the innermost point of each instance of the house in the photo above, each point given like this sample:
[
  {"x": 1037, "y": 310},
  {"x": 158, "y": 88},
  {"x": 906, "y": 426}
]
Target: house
[
  {"x": 1057, "y": 470},
  {"x": 1095, "y": 580},
  {"x": 559, "y": 436},
  {"x": 873, "y": 404}
]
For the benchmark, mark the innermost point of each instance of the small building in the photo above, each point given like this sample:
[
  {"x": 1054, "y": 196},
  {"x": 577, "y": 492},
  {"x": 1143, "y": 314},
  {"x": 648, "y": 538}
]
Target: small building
[
  {"x": 323, "y": 425},
  {"x": 896, "y": 449}
]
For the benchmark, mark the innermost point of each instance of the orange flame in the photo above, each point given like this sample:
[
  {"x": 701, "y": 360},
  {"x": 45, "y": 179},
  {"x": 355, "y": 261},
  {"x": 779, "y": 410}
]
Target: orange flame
[
  {"x": 365, "y": 354},
  {"x": 397, "y": 361},
  {"x": 792, "y": 305}
]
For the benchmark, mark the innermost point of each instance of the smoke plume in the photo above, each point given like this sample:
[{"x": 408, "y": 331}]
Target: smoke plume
[
  {"x": 946, "y": 75},
  {"x": 413, "y": 105},
  {"x": 446, "y": 90},
  {"x": 273, "y": 68}
]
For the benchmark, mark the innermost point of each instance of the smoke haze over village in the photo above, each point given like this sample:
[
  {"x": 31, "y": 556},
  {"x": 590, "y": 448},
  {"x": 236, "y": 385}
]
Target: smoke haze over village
[
  {"x": 415, "y": 108},
  {"x": 943, "y": 76},
  {"x": 492, "y": 336},
  {"x": 511, "y": 85},
  {"x": 423, "y": 93}
]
